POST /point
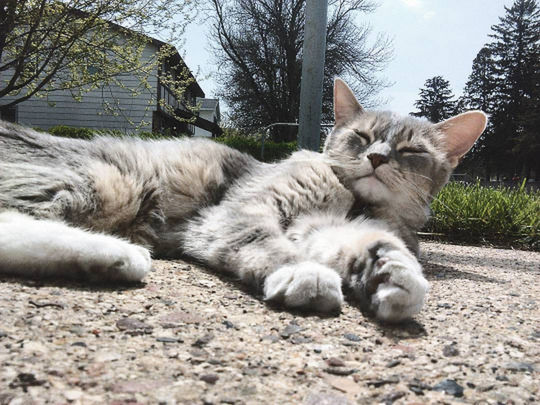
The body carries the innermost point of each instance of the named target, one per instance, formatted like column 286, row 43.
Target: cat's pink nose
column 377, row 159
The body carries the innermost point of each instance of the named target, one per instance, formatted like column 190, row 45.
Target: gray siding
column 59, row 108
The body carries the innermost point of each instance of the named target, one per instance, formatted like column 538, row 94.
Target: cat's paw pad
column 396, row 287
column 306, row 285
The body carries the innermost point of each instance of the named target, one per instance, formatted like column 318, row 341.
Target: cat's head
column 394, row 161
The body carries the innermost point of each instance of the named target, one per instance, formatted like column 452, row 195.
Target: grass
column 477, row 214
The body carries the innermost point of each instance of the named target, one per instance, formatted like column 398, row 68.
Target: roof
column 194, row 86
column 208, row 103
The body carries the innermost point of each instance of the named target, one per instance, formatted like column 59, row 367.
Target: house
column 113, row 106
column 208, row 110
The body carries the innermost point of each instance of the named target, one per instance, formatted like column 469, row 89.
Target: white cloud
column 412, row 3
column 429, row 15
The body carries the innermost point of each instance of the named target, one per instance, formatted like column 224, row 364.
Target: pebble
column 166, row 339
column 133, row 326
column 393, row 396
column 450, row 387
column 290, row 330
column 520, row 366
column 383, row 381
column 228, row 324
column 209, row 378
column 335, row 362
column 81, row 344
column 204, row 340
column 25, row 380
column 393, row 363
column 339, row 370
column 73, row 395
column 450, row 350
column 352, row 337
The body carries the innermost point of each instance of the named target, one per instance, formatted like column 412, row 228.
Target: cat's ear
column 461, row 132
column 345, row 104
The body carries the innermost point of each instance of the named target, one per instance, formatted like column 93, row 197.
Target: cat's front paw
column 118, row 260
column 395, row 287
column 306, row 285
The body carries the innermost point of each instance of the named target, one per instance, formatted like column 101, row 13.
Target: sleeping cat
column 300, row 229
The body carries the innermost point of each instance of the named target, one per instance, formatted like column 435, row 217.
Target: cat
column 300, row 229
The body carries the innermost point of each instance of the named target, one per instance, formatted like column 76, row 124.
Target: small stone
column 450, row 350
column 352, row 337
column 384, row 381
column 519, row 366
column 271, row 338
column 228, row 324
column 290, row 329
column 296, row 340
column 209, row 378
column 81, row 344
column 393, row 363
column 2, row 334
column 133, row 326
column 339, row 370
column 450, row 387
column 25, row 380
column 204, row 340
column 166, row 339
column 393, row 396
column 335, row 362
column 73, row 395
column 418, row 387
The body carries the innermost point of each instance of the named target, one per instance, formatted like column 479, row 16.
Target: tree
column 436, row 102
column 516, row 50
column 259, row 51
column 78, row 45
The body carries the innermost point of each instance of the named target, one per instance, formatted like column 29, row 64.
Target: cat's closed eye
column 365, row 138
column 412, row 149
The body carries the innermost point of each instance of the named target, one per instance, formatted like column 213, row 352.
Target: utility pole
column 309, row 133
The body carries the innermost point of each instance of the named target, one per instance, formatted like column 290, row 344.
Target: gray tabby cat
column 301, row 229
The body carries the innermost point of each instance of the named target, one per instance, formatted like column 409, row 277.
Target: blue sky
column 430, row 37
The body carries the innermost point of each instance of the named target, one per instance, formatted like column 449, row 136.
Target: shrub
column 87, row 133
column 474, row 213
column 71, row 132
column 272, row 151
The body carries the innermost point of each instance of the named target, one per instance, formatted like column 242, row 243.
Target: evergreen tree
column 516, row 52
column 480, row 93
column 436, row 102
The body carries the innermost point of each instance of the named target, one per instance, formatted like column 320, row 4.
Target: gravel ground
column 189, row 336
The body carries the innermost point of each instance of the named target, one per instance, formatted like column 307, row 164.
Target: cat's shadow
column 436, row 271
column 72, row 284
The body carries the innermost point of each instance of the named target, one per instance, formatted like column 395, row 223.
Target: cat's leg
column 256, row 250
column 34, row 247
column 373, row 262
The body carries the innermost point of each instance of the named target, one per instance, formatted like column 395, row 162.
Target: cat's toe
column 138, row 263
column 305, row 285
column 398, row 289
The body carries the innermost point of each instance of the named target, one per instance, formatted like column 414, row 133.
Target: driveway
column 189, row 336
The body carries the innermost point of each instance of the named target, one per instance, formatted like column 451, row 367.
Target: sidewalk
column 189, row 336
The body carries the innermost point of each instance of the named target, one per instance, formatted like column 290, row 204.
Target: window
column 8, row 113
